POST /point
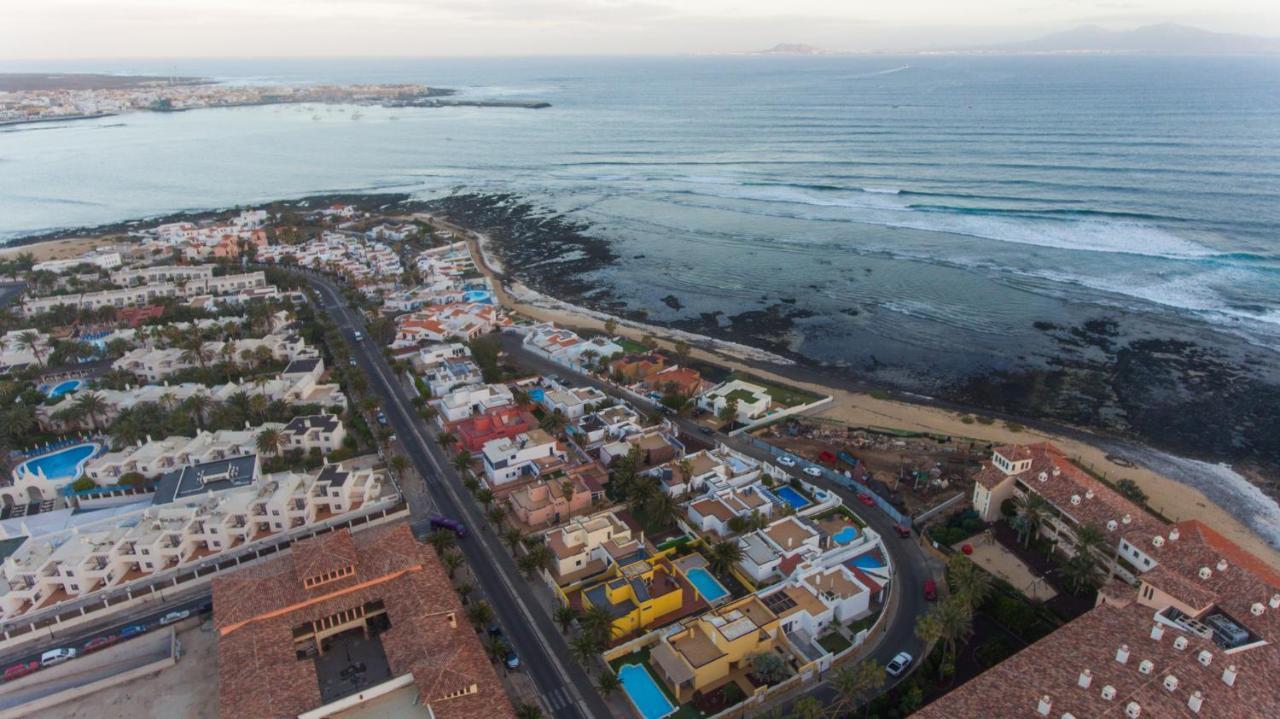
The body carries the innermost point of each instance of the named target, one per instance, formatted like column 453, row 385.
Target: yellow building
column 711, row 648
column 645, row 591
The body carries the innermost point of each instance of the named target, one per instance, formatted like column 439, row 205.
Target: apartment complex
column 286, row 629
column 131, row 296
column 154, row 364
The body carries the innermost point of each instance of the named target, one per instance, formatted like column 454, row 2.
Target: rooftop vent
column 1174, row 534
column 1045, row 705
column 1111, row 525
column 1222, row 565
column 1042, row 476
column 1068, row 715
column 1180, row 643
column 1204, row 657
column 1088, row 494
column 1086, row 678
column 1229, row 675
column 1075, row 499
column 1146, row 666
column 1126, row 519
column 1170, row 682
column 1158, row 540
column 1056, row 471
column 1275, row 601
column 1157, row 631
column 1257, row 609
column 1133, row 710
column 1122, row 655
column 1108, row 692
column 1205, row 572
column 1195, row 701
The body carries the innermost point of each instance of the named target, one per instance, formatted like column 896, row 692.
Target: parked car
column 352, row 361
column 133, row 630
column 931, row 590
column 511, row 660
column 101, row 642
column 57, row 656
column 866, row 499
column 898, row 665
column 813, row 471
column 705, row 429
column 495, row 630
column 172, row 617
column 786, row 461
column 903, row 530
column 358, row 335
column 440, row 521
column 17, row 671
column 382, row 418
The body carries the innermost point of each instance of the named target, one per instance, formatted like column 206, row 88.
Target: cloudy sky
column 257, row 28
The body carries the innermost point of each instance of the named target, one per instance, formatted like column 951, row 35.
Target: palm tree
column 584, row 648
column 480, row 613
column 807, row 707
column 198, row 405
column 1032, row 510
column 496, row 514
column 682, row 351
column 91, row 405
column 462, row 461
column 446, row 439
column 725, row 554
column 485, row 497
column 258, row 405
column 196, row 353
column 538, row 557
column 607, row 683
column 443, row 539
column 554, row 422
column 968, row 580
column 399, row 463
column 597, row 623
column 271, row 441
column 660, row 510
column 452, row 560
column 528, row 711
column 512, row 537
column 31, row 340
column 1081, row 570
column 852, row 683
column 948, row 622
column 68, row 417
column 565, row 616
column 495, row 646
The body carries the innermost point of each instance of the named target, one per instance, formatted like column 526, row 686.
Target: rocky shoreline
column 1168, row 392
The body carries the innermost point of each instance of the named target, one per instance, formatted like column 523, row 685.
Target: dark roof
column 208, row 477
column 9, row 546
column 333, row 475
column 301, row 366
column 327, row 422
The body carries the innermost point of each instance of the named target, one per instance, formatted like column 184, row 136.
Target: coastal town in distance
column 331, row 457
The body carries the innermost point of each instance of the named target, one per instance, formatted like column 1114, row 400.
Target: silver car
column 898, row 665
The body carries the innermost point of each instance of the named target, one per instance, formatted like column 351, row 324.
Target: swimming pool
column 480, row 296
column 867, row 561
column 792, row 497
column 61, row 388
column 64, row 464
column 537, row 394
column 644, row 691
column 708, row 586
column 846, row 535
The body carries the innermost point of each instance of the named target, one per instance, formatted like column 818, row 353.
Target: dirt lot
column 188, row 689
column 923, row 470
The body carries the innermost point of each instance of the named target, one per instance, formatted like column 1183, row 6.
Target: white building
column 508, row 458
column 752, row 400
column 471, row 400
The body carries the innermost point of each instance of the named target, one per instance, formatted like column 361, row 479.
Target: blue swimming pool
column 708, row 586
column 846, row 535
column 536, row 394
column 792, row 497
column 64, row 387
column 644, row 692
column 64, row 464
column 480, row 296
column 867, row 561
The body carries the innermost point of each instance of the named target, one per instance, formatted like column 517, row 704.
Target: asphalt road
column 911, row 568
column 567, row 691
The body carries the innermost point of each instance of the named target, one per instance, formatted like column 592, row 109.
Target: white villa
column 753, row 400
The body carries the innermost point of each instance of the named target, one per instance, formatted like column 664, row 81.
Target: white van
column 56, row 656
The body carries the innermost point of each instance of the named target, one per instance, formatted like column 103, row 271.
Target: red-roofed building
column 497, row 423
column 343, row 621
column 135, row 316
column 684, row 381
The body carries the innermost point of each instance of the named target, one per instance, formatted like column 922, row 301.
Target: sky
column 39, row 29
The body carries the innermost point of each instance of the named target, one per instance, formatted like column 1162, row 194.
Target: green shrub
column 83, row 483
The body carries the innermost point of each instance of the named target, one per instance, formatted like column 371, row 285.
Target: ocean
column 1095, row 239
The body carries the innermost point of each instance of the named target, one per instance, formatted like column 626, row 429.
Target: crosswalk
column 557, row 700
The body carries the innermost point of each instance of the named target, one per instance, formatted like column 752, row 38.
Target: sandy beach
column 58, row 249
column 1175, row 500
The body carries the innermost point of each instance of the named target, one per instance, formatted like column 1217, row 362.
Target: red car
column 17, row 671
column 100, row 643
column 866, row 499
column 903, row 530
column 930, row 590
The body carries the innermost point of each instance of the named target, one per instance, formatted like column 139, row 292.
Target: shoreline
column 1168, row 480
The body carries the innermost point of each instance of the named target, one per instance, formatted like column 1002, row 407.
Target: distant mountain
column 787, row 48
column 1167, row 38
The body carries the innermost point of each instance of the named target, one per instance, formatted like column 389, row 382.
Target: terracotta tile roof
column 257, row 608
column 712, row 508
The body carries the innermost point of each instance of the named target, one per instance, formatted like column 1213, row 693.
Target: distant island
column 1162, row 39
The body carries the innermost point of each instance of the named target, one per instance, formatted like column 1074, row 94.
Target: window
column 330, row 576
